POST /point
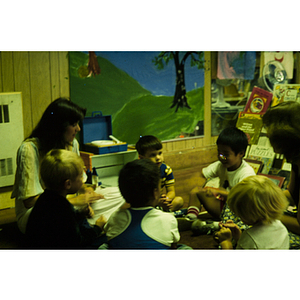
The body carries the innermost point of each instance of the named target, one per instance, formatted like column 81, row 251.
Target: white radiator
column 11, row 135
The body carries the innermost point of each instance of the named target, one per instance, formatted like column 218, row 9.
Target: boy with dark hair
column 150, row 147
column 141, row 226
column 53, row 222
column 230, row 169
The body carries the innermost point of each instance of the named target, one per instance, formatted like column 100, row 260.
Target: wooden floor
column 12, row 238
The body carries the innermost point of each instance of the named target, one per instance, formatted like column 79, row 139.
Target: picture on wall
column 145, row 92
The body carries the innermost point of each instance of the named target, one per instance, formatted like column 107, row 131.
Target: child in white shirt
column 259, row 203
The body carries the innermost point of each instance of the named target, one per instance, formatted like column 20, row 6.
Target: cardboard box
column 87, row 159
column 98, row 128
column 108, row 165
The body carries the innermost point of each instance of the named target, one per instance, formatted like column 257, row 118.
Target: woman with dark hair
column 56, row 130
column 282, row 123
column 60, row 117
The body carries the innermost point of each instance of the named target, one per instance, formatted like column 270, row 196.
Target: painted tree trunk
column 179, row 99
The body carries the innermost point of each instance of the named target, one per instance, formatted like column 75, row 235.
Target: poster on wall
column 146, row 92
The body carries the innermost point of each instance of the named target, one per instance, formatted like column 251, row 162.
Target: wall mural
column 157, row 93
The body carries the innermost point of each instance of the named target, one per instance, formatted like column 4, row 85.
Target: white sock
column 193, row 212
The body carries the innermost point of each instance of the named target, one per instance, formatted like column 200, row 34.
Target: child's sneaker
column 180, row 213
column 203, row 227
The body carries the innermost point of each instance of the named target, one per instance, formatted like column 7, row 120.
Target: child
column 53, row 222
column 230, row 169
column 141, row 226
column 259, row 203
column 150, row 147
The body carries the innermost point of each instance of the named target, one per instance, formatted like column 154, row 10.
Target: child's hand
column 101, row 221
column 89, row 196
column 90, row 212
column 224, row 234
column 165, row 202
column 235, row 230
column 224, row 237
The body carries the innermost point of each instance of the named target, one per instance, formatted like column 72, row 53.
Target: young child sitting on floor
column 230, row 169
column 150, row 147
column 53, row 222
column 259, row 203
column 142, row 226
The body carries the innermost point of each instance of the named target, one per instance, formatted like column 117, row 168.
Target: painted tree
column 93, row 65
column 92, row 68
column 163, row 59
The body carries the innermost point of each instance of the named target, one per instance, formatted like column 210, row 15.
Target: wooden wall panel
column 55, row 76
column 7, row 72
column 199, row 143
column 40, row 83
column 22, row 84
column 41, row 77
column 64, row 74
column 59, row 70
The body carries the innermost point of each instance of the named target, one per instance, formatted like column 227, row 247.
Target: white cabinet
column 109, row 165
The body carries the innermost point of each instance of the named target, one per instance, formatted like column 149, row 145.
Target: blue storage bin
column 99, row 127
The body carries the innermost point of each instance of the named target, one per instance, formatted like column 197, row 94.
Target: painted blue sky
column 138, row 64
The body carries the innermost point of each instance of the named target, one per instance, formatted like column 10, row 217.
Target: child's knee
column 177, row 202
column 201, row 195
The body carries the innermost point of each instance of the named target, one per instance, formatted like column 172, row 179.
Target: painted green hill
column 152, row 115
column 134, row 110
column 107, row 92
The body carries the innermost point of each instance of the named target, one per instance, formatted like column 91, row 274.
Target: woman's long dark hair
column 52, row 126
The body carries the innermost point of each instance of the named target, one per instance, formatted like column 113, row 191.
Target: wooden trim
column 64, row 73
column 207, row 99
column 297, row 66
column 54, row 75
column 1, row 73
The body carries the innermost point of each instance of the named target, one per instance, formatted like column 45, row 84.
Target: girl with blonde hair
column 259, row 203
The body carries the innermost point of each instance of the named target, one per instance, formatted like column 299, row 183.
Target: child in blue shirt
column 141, row 226
column 150, row 147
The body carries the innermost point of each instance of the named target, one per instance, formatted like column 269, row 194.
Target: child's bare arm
column 29, row 202
column 291, row 223
column 170, row 192
column 220, row 194
column 85, row 195
column 290, row 189
column 101, row 221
